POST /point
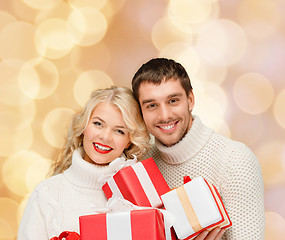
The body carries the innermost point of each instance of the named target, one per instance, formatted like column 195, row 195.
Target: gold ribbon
column 189, row 211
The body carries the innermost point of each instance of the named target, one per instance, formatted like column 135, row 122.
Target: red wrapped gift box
column 142, row 184
column 144, row 224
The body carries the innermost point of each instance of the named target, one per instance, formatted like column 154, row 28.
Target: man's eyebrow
column 147, row 101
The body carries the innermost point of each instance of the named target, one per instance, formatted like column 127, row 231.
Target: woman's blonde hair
column 122, row 98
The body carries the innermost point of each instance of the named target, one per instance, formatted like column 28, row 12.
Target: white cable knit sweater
column 56, row 203
column 227, row 164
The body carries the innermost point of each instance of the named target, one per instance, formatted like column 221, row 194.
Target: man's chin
column 167, row 142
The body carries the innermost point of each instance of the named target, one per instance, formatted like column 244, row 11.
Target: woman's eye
column 97, row 123
column 120, row 132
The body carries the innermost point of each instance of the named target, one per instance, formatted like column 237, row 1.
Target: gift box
column 142, row 184
column 128, row 225
column 197, row 206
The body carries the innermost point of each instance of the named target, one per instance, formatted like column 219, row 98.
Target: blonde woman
column 108, row 127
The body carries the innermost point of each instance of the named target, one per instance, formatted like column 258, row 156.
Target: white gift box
column 197, row 206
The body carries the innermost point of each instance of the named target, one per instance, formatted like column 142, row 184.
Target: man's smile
column 170, row 127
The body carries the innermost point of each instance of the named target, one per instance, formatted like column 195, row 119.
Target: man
column 184, row 146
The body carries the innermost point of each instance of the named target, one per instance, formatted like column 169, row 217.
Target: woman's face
column 105, row 136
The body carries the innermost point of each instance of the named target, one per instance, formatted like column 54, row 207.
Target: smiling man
column 185, row 146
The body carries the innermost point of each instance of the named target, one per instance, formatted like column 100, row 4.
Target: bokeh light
column 165, row 27
column 253, row 93
column 89, row 81
column 15, row 170
column 190, row 11
column 52, row 39
column 222, row 42
column 275, row 226
column 270, row 155
column 81, row 26
column 40, row 75
column 41, row 4
column 12, row 48
column 55, row 126
column 8, row 218
column 98, row 4
column 279, row 109
column 259, row 20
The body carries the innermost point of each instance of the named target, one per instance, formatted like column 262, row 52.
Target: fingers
column 215, row 234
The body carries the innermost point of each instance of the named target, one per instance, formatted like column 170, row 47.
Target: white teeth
column 168, row 127
column 102, row 148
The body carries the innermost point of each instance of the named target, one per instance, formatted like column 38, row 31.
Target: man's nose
column 164, row 113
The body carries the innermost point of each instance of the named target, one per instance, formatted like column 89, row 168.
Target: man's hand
column 215, row 234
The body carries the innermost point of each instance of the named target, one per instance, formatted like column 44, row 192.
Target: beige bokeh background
column 54, row 52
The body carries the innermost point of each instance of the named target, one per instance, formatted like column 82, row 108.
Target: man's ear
column 191, row 100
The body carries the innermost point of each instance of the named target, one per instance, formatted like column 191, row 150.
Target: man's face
column 166, row 110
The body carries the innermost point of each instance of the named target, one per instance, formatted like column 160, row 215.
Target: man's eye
column 151, row 105
column 173, row 100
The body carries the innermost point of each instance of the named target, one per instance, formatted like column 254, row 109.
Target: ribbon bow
column 67, row 235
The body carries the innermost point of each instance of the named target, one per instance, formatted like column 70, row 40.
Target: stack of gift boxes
column 194, row 207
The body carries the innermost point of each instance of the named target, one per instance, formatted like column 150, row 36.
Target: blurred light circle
column 6, row 19
column 98, row 4
column 274, row 199
column 259, row 20
column 13, row 141
column 22, row 207
column 86, row 26
column 61, row 10
column 164, row 33
column 15, row 118
column 221, row 42
column 279, row 109
column 41, row 4
column 28, row 81
column 190, row 11
column 90, row 57
column 52, row 39
column 113, row 7
column 185, row 55
column 275, row 226
column 37, row 172
column 15, row 169
column 55, row 126
column 10, row 91
column 253, row 93
column 248, row 129
column 8, row 218
column 88, row 82
column 211, row 73
column 12, row 48
column 270, row 156
column 40, row 75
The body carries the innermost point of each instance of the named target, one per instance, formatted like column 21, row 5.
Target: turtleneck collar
column 189, row 146
column 85, row 174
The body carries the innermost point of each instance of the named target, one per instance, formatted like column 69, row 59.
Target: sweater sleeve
column 243, row 195
column 32, row 225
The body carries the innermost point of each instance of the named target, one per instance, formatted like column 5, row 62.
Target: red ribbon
column 68, row 236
